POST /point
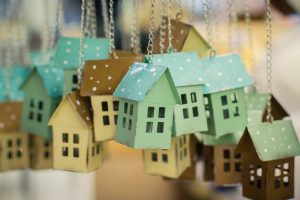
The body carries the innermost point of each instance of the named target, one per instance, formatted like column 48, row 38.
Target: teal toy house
column 147, row 97
column 42, row 93
column 224, row 96
column 66, row 56
column 188, row 76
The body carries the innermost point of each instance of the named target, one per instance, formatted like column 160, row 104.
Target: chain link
column 105, row 18
column 82, row 25
column 162, row 26
column 269, row 59
column 135, row 33
column 170, row 36
column 151, row 32
column 111, row 26
column 206, row 7
column 93, row 19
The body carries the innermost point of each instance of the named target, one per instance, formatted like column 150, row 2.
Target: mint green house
column 42, row 93
column 147, row 98
column 188, row 76
column 66, row 56
column 224, row 96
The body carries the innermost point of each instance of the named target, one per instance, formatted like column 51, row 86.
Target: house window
column 225, row 113
column 185, row 152
column 31, row 103
column 154, row 157
column 104, row 106
column 185, row 113
column 149, row 127
column 164, row 158
column 76, row 138
column 184, row 139
column 19, row 142
column 255, row 176
column 46, row 155
column 131, row 109
column 19, row 153
column 195, row 111
column 116, row 119
column 124, row 122
column 39, row 117
column 234, row 98
column 236, row 112
column 281, row 173
column 226, row 153
column 183, row 99
column 160, row 127
column 41, row 105
column 161, row 112
column 65, row 137
column 150, row 113
column 224, row 100
column 116, row 105
column 105, row 120
column 76, row 152
column 226, row 167
column 65, row 151
column 193, row 97
column 238, row 167
column 10, row 155
column 31, row 115
column 129, row 124
column 9, row 143
column 74, row 79
column 125, row 107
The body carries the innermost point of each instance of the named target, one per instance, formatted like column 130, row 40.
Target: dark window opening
column 226, row 154
column 116, row 119
column 193, row 97
column 76, row 138
column 185, row 152
column 161, row 112
column 31, row 115
column 165, row 158
column 76, row 152
column 258, row 183
column 226, row 114
column 195, row 111
column 124, row 122
column 237, row 155
column 19, row 153
column 41, row 105
column 226, row 167
column 129, row 124
column 150, row 112
column 74, row 89
column 234, row 98
column 116, row 105
column 277, row 183
column 154, row 157
column 65, row 151
column 224, row 100
column 65, row 138
column 10, row 155
column 184, row 139
column 98, row 149
column 183, row 99
column 160, row 127
column 19, row 142
column 238, row 167
column 9, row 143
column 236, row 112
column 131, row 109
column 125, row 107
column 93, row 151
column 46, row 143
column 149, row 127
column 39, row 117
column 46, row 155
column 185, row 113
column 104, row 105
column 180, row 142
column 105, row 120
column 75, row 79
column 31, row 103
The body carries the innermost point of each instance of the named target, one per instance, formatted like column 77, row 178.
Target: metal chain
column 269, row 117
column 82, row 24
column 56, row 24
column 93, row 18
column 105, row 18
column 206, row 6
column 87, row 19
column 111, row 26
column 179, row 14
column 232, row 19
column 162, row 26
column 134, row 34
column 170, row 36
column 151, row 32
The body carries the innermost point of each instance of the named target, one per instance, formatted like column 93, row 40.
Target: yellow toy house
column 73, row 136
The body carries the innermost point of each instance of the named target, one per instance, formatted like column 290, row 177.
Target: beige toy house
column 73, row 136
column 170, row 163
column 13, row 143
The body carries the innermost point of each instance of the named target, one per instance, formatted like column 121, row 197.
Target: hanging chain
column 151, row 32
column 232, row 21
column 111, row 26
column 87, row 19
column 179, row 14
column 170, row 37
column 162, row 26
column 269, row 59
column 134, row 34
column 206, row 7
column 105, row 18
column 93, row 18
column 56, row 25
column 82, row 24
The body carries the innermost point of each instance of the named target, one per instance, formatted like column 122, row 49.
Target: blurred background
column 121, row 176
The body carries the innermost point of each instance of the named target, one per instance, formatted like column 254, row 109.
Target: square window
column 125, row 107
column 195, row 111
column 41, row 105
column 74, row 89
column 129, row 124
column 154, row 157
column 226, row 167
column 236, row 112
column 164, row 158
column 161, row 112
column 116, row 119
column 160, row 127
column 116, row 105
column 150, row 113
column 225, row 113
column 258, row 171
column 183, row 99
column 185, row 113
column 65, row 151
column 286, row 166
column 9, row 143
column 104, row 105
column 76, row 138
column 258, row 183
column 193, row 97
column 105, row 120
column 277, row 183
column 76, row 152
column 234, row 98
column 75, row 79
column 238, row 167
column 124, row 122
column 98, row 149
column 19, row 153
column 149, row 127
column 31, row 115
column 10, row 155
column 65, row 138
column 224, row 100
column 46, row 154
column 131, row 109
column 226, row 154
column 277, row 172
column 46, row 143
column 286, row 181
column 19, row 142
column 39, row 117
column 237, row 155
column 31, row 103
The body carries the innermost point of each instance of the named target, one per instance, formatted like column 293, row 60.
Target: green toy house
column 42, row 93
column 188, row 76
column 147, row 97
column 67, row 53
column 224, row 96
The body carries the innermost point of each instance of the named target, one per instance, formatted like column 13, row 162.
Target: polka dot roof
column 139, row 80
column 275, row 140
column 67, row 51
column 17, row 75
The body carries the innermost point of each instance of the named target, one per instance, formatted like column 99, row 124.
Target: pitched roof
column 224, row 73
column 272, row 141
column 256, row 101
column 52, row 78
column 101, row 77
column 184, row 67
column 232, row 138
column 17, row 75
column 10, row 116
column 67, row 51
column 139, row 80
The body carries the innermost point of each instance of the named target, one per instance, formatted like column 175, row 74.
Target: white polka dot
column 98, row 54
column 230, row 61
column 97, row 82
column 249, row 120
column 180, row 68
column 66, row 62
column 78, row 102
column 91, row 78
column 140, row 93
column 262, row 99
column 1, row 125
column 188, row 60
column 94, row 88
column 282, row 129
column 68, row 50
column 94, row 66
column 85, row 46
column 265, row 142
column 207, row 84
column 182, row 32
column 266, row 150
column 87, row 118
column 46, row 71
column 273, row 139
column 289, row 147
column 106, row 65
column 109, row 78
column 13, row 117
column 139, row 80
column 123, row 90
column 154, row 74
column 159, row 60
column 220, row 74
column 199, row 79
column 97, row 48
column 69, row 42
column 240, row 79
column 109, row 88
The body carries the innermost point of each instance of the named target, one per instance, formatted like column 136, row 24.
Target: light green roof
column 256, row 101
column 233, row 138
column 275, row 140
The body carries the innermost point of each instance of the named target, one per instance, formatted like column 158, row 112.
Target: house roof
column 256, row 101
column 101, row 77
column 67, row 51
column 232, row 138
column 139, row 80
column 10, row 116
column 184, row 67
column 17, row 75
column 223, row 73
column 52, row 78
column 272, row 141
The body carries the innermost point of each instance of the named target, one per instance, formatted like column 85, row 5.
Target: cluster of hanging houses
column 157, row 105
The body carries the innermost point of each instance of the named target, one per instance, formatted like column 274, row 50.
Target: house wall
column 104, row 132
column 96, row 153
column 70, row 81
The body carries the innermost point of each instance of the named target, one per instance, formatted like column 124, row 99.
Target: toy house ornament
column 73, row 136
column 100, row 79
column 188, row 76
column 147, row 97
column 170, row 162
column 185, row 38
column 268, row 151
column 224, row 96
column 67, row 53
